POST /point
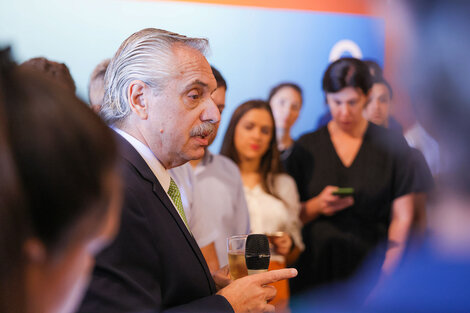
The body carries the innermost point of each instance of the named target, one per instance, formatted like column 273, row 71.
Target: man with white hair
column 158, row 99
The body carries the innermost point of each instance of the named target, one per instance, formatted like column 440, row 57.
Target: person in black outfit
column 339, row 233
column 377, row 111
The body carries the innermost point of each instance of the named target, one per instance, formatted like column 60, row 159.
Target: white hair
column 144, row 56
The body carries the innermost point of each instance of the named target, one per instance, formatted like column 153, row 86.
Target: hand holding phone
column 329, row 201
column 343, row 192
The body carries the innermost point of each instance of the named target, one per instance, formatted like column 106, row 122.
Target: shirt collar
column 155, row 165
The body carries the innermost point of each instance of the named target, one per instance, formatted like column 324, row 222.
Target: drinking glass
column 236, row 256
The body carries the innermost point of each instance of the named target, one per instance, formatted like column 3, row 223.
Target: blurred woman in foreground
column 59, row 192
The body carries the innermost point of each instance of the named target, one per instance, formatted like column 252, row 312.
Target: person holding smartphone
column 343, row 226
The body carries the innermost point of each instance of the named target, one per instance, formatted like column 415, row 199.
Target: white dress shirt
column 418, row 138
column 224, row 201
column 153, row 163
column 194, row 201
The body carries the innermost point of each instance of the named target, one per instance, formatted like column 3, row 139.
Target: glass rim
column 237, row 237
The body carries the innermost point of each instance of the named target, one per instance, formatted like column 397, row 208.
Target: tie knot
column 173, row 189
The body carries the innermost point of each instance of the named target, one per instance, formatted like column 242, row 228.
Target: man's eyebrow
column 198, row 82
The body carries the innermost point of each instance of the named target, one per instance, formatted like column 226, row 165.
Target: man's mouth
column 204, row 134
column 203, row 139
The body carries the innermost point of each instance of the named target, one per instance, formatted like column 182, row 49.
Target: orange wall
column 337, row 6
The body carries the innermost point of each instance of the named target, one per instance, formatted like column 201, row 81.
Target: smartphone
column 344, row 192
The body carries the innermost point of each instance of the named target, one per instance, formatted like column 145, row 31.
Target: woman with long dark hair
column 59, row 192
column 341, row 230
column 271, row 195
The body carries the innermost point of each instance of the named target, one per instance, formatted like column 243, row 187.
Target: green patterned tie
column 175, row 195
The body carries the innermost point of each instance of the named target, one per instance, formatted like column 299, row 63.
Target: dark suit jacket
column 154, row 264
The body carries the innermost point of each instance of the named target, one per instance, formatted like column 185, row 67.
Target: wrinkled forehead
column 189, row 64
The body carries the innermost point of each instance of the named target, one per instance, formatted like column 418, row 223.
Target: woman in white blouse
column 272, row 197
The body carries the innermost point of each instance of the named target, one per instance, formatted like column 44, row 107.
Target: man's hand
column 222, row 277
column 251, row 294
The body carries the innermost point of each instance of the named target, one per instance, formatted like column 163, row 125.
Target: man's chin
column 197, row 153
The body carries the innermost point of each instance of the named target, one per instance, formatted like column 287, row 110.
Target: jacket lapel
column 129, row 153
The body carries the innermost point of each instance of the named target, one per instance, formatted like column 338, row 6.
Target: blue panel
column 253, row 48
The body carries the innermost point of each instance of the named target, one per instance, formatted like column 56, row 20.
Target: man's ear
column 138, row 98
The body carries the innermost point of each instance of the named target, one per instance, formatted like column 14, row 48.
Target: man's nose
column 211, row 112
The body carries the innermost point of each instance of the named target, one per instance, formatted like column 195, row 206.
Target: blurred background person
column 96, row 85
column 272, row 197
column 226, row 210
column 55, row 70
column 201, row 221
column 375, row 69
column 377, row 111
column 59, row 192
column 417, row 137
column 285, row 100
column 340, row 232
column 378, row 108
